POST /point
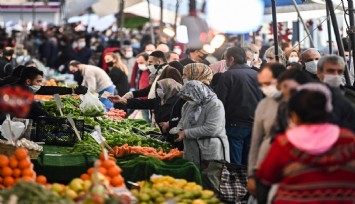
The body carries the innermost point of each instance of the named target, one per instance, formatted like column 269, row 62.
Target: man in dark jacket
column 195, row 56
column 239, row 91
column 6, row 67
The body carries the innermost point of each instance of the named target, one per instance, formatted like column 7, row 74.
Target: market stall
column 87, row 155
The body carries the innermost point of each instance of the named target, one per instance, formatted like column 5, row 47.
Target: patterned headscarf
column 199, row 94
column 199, row 72
column 170, row 88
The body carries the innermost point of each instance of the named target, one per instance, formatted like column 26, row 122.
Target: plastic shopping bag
column 12, row 130
column 91, row 105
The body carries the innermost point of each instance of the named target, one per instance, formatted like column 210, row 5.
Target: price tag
column 97, row 137
column 59, row 103
column 71, row 121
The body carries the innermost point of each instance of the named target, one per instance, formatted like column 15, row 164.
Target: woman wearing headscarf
column 313, row 160
column 199, row 72
column 202, row 116
column 163, row 105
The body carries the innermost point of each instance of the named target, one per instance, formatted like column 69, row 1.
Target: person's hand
column 251, row 186
column 128, row 95
column 164, row 126
column 81, row 90
column 181, row 136
column 256, row 62
column 117, row 99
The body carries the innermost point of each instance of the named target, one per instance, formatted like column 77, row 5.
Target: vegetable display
column 115, row 114
column 146, row 151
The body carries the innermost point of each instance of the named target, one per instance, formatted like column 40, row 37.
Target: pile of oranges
column 109, row 169
column 18, row 167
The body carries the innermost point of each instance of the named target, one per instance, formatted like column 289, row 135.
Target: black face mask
column 109, row 64
column 8, row 53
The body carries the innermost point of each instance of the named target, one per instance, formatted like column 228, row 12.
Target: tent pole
column 161, row 15
column 151, row 24
column 304, row 25
column 351, row 30
column 274, row 24
column 329, row 26
column 338, row 39
column 122, row 2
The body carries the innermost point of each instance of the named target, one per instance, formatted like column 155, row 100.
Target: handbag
column 227, row 180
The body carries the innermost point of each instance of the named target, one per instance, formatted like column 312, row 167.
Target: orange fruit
column 27, row 178
column 102, row 170
column 21, row 154
column 13, row 163
column 6, row 171
column 85, row 177
column 16, row 173
column 27, row 172
column 113, row 171
column 24, row 164
column 117, row 181
column 4, row 160
column 1, row 180
column 109, row 179
column 41, row 179
column 9, row 181
column 2, row 186
column 102, row 156
column 91, row 170
column 108, row 164
column 112, row 159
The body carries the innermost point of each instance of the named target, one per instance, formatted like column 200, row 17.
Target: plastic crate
column 57, row 131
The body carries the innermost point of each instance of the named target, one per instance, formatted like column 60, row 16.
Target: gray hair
column 246, row 49
column 332, row 59
column 271, row 50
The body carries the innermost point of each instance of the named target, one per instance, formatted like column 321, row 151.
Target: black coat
column 6, row 68
column 120, row 80
column 239, row 91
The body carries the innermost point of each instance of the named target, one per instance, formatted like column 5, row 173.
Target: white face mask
column 311, row 66
column 148, row 52
column 74, row 45
column 249, row 63
column 293, row 59
column 129, row 54
column 177, row 51
column 34, row 88
column 256, row 57
column 81, row 44
column 333, row 80
column 271, row 91
column 160, row 93
column 152, row 69
column 142, row 67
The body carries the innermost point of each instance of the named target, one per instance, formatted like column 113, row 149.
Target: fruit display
column 109, row 169
column 161, row 189
column 17, row 167
column 30, row 193
column 25, row 144
column 146, row 151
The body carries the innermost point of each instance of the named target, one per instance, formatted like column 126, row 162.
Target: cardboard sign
column 71, row 121
column 59, row 103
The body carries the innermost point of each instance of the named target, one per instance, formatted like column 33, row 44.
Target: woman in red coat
column 314, row 161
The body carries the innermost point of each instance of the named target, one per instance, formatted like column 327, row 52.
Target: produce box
column 57, row 131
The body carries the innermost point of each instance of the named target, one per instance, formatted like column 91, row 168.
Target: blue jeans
column 108, row 104
column 239, row 144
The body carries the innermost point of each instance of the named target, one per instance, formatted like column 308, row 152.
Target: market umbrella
column 77, row 7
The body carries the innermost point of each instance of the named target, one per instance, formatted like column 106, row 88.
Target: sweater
column 95, row 78
column 311, row 178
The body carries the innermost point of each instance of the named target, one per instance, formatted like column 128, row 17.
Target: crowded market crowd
column 291, row 122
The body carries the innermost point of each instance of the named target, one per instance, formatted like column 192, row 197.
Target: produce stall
column 90, row 156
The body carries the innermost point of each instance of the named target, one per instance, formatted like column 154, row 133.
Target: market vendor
column 14, row 78
column 96, row 79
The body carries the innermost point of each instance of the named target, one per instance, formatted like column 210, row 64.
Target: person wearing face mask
column 250, row 58
column 195, row 56
column 265, row 115
column 128, row 59
column 117, row 71
column 309, row 60
column 6, row 67
column 330, row 70
column 96, row 79
column 177, row 50
column 167, row 95
column 202, row 116
column 239, row 91
column 270, row 55
column 292, row 56
column 82, row 54
column 149, row 48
